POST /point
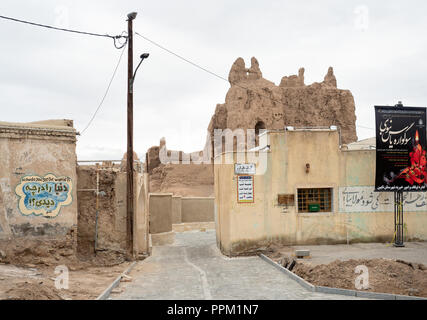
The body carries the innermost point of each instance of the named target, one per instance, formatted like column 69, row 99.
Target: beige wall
column 36, row 150
column 141, row 222
column 176, row 209
column 183, row 209
column 245, row 227
column 160, row 208
column 197, row 209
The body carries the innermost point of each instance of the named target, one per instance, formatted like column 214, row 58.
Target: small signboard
column 286, row 199
column 245, row 189
column 400, row 149
column 245, row 168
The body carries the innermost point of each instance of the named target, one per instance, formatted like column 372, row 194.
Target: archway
column 259, row 129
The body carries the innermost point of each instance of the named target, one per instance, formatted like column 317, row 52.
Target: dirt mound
column 385, row 276
column 22, row 251
column 51, row 252
column 33, row 291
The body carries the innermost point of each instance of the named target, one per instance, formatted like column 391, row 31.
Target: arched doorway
column 259, row 128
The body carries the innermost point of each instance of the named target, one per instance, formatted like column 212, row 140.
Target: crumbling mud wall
column 111, row 234
column 111, row 216
column 174, row 172
column 183, row 180
column 253, row 102
column 38, row 207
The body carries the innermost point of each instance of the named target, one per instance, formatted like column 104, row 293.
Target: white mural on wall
column 364, row 199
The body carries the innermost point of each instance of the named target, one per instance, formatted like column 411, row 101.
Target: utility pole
column 129, row 164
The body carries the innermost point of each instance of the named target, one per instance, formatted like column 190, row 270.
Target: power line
column 67, row 30
column 181, row 57
column 106, row 91
column 211, row 72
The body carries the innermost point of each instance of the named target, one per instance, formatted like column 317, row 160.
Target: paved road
column 193, row 268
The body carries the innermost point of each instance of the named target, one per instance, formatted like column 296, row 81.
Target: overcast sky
column 378, row 51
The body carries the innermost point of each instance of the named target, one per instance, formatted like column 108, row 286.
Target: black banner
column 400, row 149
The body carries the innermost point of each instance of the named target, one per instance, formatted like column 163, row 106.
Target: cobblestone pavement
column 193, row 268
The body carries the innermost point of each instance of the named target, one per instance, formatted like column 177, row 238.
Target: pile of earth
column 33, row 291
column 385, row 276
column 51, row 252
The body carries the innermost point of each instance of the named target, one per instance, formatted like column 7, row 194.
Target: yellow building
column 307, row 189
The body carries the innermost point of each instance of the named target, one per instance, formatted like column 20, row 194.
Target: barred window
column 315, row 200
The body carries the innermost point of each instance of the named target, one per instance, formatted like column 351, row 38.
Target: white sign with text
column 244, row 168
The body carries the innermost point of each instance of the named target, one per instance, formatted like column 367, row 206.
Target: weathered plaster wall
column 357, row 215
column 112, row 227
column 37, row 149
column 197, row 209
column 160, row 207
column 141, row 221
column 176, row 209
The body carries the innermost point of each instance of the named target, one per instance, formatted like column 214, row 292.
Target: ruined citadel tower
column 253, row 102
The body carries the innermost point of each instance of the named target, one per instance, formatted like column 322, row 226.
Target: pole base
column 398, row 245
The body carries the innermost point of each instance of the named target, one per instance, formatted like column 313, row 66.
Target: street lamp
column 132, row 15
column 143, row 56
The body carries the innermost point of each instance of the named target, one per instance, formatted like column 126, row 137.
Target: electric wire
column 122, row 45
column 213, row 73
column 106, row 91
column 115, row 38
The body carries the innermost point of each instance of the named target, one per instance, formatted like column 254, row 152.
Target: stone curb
column 345, row 292
column 290, row 274
column 116, row 282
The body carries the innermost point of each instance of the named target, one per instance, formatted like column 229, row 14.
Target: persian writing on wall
column 44, row 196
column 364, row 199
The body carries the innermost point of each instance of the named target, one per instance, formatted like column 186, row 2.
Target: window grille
column 315, row 200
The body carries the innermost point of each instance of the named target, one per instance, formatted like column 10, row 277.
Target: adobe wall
column 197, row 209
column 112, row 210
column 38, row 179
column 176, row 209
column 38, row 198
column 253, row 100
column 160, row 207
column 112, row 227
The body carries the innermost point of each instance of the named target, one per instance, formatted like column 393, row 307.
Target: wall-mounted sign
column 245, row 189
column 286, row 199
column 245, row 168
column 44, row 196
column 400, row 149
